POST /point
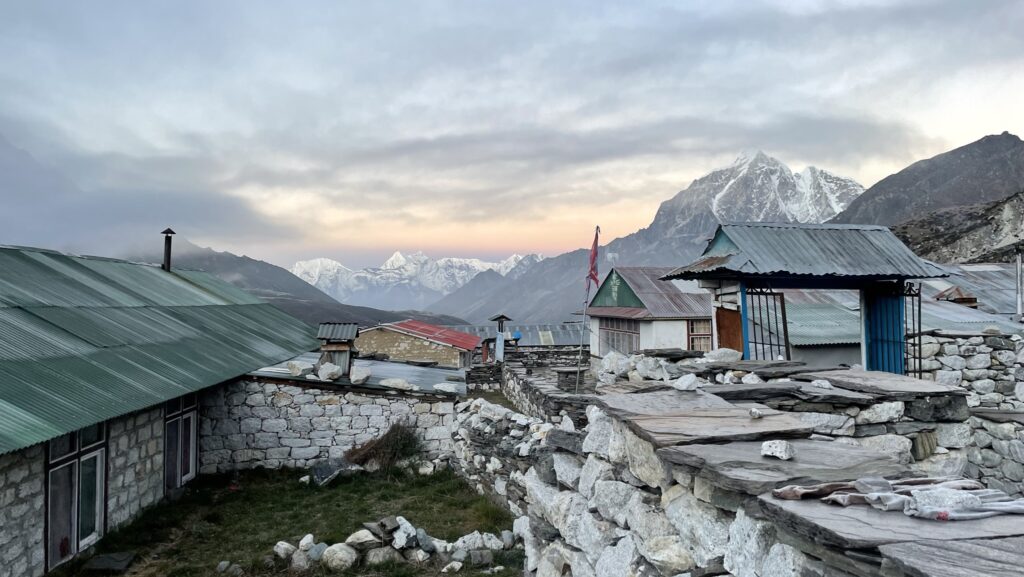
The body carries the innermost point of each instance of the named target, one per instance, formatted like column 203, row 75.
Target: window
column 621, row 335
column 180, row 441
column 699, row 332
column 75, row 496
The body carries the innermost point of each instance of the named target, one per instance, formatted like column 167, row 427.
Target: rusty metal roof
column 442, row 335
column 85, row 339
column 806, row 250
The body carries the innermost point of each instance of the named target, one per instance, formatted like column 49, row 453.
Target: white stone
column 778, row 449
column 688, row 382
column 299, row 368
column 492, row 542
column 895, row 445
column 952, row 378
column 396, row 383
column 416, row 555
column 889, row 412
column 558, row 560
column 723, row 355
column 667, row 553
column 751, row 379
column 828, row 423
column 755, row 413
column 404, row 535
column 620, row 560
column 363, row 539
column 306, row 543
column 453, row 567
column 953, row 435
column 425, row 468
column 446, row 387
column 599, row 431
column 611, row 499
column 785, row 561
column 822, row 384
column 300, row 561
column 749, row 543
column 644, row 463
column 567, row 469
column 359, row 375
column 594, row 469
column 703, row 527
column 531, row 546
column 284, row 549
column 339, row 557
column 979, row 361
column 329, row 372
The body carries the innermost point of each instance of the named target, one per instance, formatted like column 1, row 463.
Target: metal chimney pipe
column 1020, row 289
column 167, row 249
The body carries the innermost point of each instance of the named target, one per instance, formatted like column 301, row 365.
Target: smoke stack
column 167, row 249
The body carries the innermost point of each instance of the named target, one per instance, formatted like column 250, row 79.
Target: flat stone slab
column 999, row 415
column 971, row 558
column 662, row 402
column 863, row 527
column 110, row 562
column 886, row 386
column 631, row 387
column 672, row 355
column 715, row 425
column 786, row 391
column 752, row 366
column 740, row 466
column 784, row 372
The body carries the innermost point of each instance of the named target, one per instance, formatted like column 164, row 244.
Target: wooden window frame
column 692, row 334
column 74, row 458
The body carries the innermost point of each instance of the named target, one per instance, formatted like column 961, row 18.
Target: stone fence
column 249, row 424
column 535, row 392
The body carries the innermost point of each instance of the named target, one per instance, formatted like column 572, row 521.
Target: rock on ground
column 339, row 557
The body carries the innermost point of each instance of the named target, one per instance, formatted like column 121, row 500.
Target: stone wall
column 22, row 512
column 402, row 347
column 494, row 447
column 537, row 395
column 484, row 377
column 250, row 424
column 563, row 356
column 135, row 465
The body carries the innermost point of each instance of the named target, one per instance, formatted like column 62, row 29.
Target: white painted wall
column 595, row 338
column 664, row 335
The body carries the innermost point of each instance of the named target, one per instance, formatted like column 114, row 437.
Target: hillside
column 986, row 232
column 983, row 171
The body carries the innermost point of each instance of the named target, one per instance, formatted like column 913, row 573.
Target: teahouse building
column 634, row 309
column 101, row 363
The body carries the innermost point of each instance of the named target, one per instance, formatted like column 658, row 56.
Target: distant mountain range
column 754, row 187
column 988, row 232
column 283, row 289
column 404, row 281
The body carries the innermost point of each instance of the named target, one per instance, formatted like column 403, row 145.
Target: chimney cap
column 168, row 231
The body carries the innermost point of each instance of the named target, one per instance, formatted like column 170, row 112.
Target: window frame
column 187, row 410
column 101, row 510
column 74, row 459
column 692, row 334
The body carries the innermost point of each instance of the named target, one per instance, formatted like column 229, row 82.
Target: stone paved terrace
column 669, row 482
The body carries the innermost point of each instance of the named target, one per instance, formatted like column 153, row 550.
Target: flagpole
column 591, row 275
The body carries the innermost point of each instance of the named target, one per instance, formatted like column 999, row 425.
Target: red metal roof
column 457, row 339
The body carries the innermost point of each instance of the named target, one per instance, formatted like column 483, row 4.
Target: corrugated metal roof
column 993, row 284
column 337, row 331
column 446, row 336
column 425, row 378
column 634, row 313
column 83, row 340
column 666, row 299
column 809, row 250
column 532, row 335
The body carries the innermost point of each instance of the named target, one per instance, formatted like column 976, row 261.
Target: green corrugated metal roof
column 83, row 340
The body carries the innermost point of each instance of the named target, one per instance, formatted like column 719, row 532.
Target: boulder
column 688, row 382
column 723, row 355
column 359, row 375
column 594, row 470
column 405, row 535
column 383, row 555
column 284, row 549
column 299, row 368
column 306, row 543
column 339, row 557
column 329, row 372
column 300, row 561
column 567, row 469
column 362, row 540
column 316, row 552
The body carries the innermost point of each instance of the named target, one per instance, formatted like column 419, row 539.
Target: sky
column 349, row 130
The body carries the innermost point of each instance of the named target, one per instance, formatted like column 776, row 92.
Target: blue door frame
column 885, row 341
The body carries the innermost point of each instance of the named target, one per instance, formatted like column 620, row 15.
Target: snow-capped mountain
column 756, row 187
column 403, row 281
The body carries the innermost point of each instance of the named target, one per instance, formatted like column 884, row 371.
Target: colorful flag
column 592, row 274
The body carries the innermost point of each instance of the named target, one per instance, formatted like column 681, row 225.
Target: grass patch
column 239, row 518
column 496, row 397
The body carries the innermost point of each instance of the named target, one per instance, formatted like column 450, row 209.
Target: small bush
column 400, row 442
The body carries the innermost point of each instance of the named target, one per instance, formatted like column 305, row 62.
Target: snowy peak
column 403, row 281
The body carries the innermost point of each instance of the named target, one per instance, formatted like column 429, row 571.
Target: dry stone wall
column 22, row 479
column 402, row 347
column 536, row 394
column 249, row 424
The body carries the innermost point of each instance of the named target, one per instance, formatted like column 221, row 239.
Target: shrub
column 386, row 451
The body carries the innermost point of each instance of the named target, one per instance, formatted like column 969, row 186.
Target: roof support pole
column 744, row 321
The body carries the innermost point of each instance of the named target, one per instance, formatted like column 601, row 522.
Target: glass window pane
column 172, row 431
column 91, row 435
column 90, row 495
column 172, row 406
column 62, row 446
column 61, row 514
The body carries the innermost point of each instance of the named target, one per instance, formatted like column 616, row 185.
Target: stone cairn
column 395, row 540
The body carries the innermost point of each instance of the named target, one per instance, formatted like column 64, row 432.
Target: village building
column 634, row 309
column 102, row 367
column 418, row 342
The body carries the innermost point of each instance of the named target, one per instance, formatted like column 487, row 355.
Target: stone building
column 634, row 310
column 411, row 340
column 102, row 365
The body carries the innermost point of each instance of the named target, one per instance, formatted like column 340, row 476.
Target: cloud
column 363, row 126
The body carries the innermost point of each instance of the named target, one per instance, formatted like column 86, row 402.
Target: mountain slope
column 978, row 233
column 281, row 288
column 755, row 187
column 402, row 281
column 986, row 170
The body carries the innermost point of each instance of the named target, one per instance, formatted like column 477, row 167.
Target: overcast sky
column 350, row 130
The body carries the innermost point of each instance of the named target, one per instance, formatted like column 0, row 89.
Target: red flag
column 592, row 274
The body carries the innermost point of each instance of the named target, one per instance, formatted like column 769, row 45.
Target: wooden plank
column 740, row 466
column 971, row 558
column 862, row 527
column 730, row 328
column 887, row 386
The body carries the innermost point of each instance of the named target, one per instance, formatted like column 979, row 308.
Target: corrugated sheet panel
column 83, row 340
column 666, row 299
column 993, row 284
column 435, row 333
column 532, row 335
column 337, row 331
column 809, row 250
